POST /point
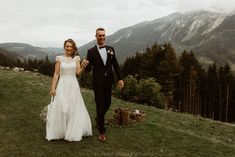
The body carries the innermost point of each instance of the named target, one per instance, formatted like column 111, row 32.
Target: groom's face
column 100, row 37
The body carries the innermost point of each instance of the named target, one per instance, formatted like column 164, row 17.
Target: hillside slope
column 163, row 133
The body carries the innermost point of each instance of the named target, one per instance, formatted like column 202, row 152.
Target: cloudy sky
column 47, row 23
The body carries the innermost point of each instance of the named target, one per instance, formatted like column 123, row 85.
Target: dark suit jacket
column 103, row 73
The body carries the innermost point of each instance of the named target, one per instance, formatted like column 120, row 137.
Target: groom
column 101, row 58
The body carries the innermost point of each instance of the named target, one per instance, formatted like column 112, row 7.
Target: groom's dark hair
column 100, row 29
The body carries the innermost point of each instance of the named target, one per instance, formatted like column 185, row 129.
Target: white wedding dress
column 67, row 116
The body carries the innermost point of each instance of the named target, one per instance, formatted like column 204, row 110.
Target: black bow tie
column 100, row 47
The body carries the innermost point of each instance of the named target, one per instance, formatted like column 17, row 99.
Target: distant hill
column 210, row 35
column 26, row 51
column 10, row 55
column 7, row 58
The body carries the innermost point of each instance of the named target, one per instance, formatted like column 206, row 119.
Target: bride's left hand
column 52, row 92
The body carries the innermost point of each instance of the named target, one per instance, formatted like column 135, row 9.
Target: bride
column 67, row 116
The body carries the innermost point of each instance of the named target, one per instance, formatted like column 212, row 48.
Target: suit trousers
column 103, row 101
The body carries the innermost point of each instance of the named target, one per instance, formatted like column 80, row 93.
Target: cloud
column 215, row 5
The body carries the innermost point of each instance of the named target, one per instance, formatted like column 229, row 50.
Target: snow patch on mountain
column 214, row 24
column 193, row 29
column 125, row 36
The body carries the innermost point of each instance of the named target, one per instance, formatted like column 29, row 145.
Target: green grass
column 162, row 133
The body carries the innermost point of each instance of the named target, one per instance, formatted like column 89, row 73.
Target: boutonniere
column 109, row 51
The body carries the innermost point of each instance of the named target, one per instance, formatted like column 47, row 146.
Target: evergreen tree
column 151, row 61
column 189, row 84
column 167, row 73
column 212, row 89
column 133, row 65
column 46, row 67
column 226, row 93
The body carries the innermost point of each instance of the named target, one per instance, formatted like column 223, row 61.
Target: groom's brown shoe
column 102, row 138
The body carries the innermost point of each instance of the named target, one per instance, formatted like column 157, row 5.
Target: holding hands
column 84, row 63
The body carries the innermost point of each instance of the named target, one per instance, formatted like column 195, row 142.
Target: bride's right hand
column 52, row 92
column 85, row 62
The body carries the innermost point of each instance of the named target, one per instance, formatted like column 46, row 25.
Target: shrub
column 46, row 68
column 130, row 89
column 149, row 92
column 142, row 91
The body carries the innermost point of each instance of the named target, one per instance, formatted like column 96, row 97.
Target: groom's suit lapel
column 109, row 57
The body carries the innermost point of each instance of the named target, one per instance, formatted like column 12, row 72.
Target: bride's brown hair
column 74, row 46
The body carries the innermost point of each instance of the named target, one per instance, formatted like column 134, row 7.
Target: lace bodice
column 67, row 65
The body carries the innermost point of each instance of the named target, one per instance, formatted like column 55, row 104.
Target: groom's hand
column 120, row 84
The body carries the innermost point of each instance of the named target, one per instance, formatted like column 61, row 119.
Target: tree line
column 43, row 66
column 185, row 84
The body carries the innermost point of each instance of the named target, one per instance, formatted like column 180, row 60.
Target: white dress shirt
column 103, row 54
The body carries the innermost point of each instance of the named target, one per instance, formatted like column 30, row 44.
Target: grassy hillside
column 163, row 133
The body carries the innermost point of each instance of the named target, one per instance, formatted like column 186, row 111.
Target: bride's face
column 69, row 49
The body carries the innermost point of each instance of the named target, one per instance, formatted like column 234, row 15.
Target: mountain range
column 210, row 35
